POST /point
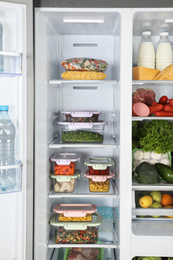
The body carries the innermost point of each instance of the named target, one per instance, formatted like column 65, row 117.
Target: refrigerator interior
column 13, row 94
column 156, row 21
column 62, row 34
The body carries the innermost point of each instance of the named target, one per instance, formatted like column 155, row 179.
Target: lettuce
column 149, row 258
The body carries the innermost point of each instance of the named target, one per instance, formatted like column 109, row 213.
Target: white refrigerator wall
column 13, row 94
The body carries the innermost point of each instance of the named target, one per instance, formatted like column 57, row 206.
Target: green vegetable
column 165, row 171
column 136, row 125
column 170, row 258
column 81, row 136
column 149, row 258
column 157, row 135
column 146, row 173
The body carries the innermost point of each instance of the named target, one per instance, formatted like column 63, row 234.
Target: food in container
column 64, row 183
column 81, row 64
column 81, row 116
column 99, row 183
column 64, row 163
column 99, row 166
column 82, row 132
column 75, row 212
column 76, row 232
column 75, row 253
column 83, row 75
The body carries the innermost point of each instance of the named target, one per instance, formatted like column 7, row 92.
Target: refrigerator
column 43, row 38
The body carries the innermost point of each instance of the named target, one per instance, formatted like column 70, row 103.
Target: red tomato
column 163, row 100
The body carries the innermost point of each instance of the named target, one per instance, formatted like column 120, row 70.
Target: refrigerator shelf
column 61, row 81
column 140, row 118
column 107, row 143
column 152, row 82
column 51, row 244
column 82, row 189
column 155, row 212
column 161, row 186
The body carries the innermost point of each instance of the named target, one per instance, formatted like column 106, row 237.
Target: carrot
column 163, row 100
column 154, row 103
column 155, row 108
column 163, row 113
column 168, row 108
column 171, row 102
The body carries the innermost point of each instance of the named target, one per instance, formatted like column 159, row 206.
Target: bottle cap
column 146, row 33
column 3, row 108
column 164, row 34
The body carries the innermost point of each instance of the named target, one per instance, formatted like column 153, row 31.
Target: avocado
column 146, row 173
column 165, row 171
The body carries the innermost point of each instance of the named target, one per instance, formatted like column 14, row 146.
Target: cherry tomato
column 163, row 100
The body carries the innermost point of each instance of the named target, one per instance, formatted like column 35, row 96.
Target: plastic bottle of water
column 7, row 135
column 146, row 52
column 1, row 49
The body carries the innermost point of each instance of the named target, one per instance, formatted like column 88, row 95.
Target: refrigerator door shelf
column 10, row 63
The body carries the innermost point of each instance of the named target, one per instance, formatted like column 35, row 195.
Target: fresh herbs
column 153, row 135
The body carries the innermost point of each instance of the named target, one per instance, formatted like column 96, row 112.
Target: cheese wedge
column 142, row 73
column 165, row 74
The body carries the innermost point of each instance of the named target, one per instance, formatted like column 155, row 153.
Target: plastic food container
column 81, row 116
column 64, row 183
column 99, row 183
column 82, row 132
column 75, row 212
column 76, row 232
column 68, row 251
column 99, row 166
column 64, row 163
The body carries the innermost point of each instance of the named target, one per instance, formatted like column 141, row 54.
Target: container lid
column 82, row 113
column 65, row 178
column 65, row 158
column 79, row 125
column 75, row 210
column 99, row 178
column 99, row 163
column 4, row 108
column 164, row 34
column 96, row 221
column 146, row 33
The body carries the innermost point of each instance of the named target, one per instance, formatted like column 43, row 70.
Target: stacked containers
column 82, row 127
column 76, row 223
column 64, row 172
column 99, row 173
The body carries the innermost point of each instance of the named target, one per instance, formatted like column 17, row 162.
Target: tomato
column 163, row 100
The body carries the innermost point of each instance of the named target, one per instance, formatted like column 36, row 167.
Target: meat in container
column 76, row 232
column 64, row 163
column 83, row 253
column 75, row 212
column 99, row 183
column 64, row 183
column 74, row 132
column 99, row 166
column 81, row 116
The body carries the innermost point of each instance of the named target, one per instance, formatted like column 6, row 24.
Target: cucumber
column 165, row 171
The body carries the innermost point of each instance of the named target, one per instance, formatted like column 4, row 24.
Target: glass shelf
column 62, row 81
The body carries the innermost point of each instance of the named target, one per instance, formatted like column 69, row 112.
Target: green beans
column 81, row 136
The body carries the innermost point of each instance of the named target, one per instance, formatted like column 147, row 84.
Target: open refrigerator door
column 16, row 93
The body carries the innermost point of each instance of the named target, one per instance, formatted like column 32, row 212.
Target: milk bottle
column 163, row 52
column 146, row 52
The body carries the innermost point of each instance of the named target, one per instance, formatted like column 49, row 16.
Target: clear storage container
column 81, row 116
column 76, row 232
column 75, row 212
column 64, row 183
column 99, row 166
column 12, row 63
column 82, row 132
column 64, row 163
column 99, row 183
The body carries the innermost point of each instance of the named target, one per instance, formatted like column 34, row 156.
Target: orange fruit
column 168, row 207
column 167, row 200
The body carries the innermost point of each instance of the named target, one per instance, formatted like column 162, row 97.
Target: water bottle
column 1, row 49
column 163, row 52
column 7, row 135
column 146, row 52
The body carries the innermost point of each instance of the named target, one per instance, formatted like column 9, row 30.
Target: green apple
column 156, row 195
column 155, row 205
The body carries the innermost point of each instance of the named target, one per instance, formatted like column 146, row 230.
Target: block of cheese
column 165, row 74
column 142, row 73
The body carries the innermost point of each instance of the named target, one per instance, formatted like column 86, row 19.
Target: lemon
column 145, row 201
